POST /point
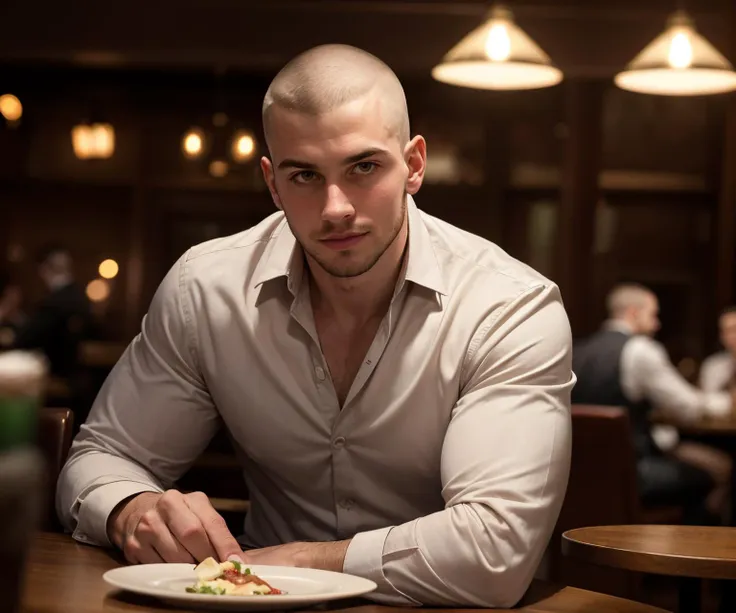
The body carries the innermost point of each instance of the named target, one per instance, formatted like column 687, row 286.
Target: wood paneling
column 578, row 201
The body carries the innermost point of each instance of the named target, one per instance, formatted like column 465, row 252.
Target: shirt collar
column 283, row 257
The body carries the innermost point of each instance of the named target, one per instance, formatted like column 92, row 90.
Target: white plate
column 304, row 586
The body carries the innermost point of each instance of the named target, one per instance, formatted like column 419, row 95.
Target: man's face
column 342, row 180
column 646, row 316
column 727, row 327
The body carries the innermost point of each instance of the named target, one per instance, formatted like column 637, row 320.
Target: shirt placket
column 347, row 509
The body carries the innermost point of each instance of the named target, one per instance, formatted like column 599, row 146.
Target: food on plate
column 229, row 579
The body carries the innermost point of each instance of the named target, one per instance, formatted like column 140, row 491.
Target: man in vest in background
column 622, row 365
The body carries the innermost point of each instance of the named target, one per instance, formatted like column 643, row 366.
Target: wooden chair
column 602, row 490
column 55, row 427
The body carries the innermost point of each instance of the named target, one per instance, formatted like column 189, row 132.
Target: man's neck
column 619, row 325
column 354, row 301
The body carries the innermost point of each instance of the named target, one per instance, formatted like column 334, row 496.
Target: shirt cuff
column 718, row 405
column 95, row 510
column 364, row 557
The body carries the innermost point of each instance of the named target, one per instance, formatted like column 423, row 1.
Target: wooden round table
column 692, row 552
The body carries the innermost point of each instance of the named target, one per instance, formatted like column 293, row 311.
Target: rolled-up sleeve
column 151, row 419
column 505, row 464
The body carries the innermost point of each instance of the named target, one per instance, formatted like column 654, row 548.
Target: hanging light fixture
column 679, row 62
column 93, row 140
column 497, row 55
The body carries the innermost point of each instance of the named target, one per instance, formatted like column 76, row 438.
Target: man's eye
column 365, row 168
column 305, row 176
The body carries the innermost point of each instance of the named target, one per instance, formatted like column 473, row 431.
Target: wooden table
column 65, row 577
column 693, row 552
column 718, row 432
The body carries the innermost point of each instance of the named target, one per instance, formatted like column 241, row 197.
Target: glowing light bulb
column 108, row 269
column 98, row 290
column 192, row 144
column 244, row 146
column 681, row 51
column 10, row 107
column 498, row 43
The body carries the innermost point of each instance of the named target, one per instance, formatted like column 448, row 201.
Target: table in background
column 690, row 552
column 718, row 432
column 65, row 577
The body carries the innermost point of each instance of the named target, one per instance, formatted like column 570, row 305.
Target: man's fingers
column 139, row 553
column 152, row 531
column 217, row 531
column 185, row 525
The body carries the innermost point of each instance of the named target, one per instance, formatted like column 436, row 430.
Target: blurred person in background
column 622, row 365
column 11, row 311
column 62, row 319
column 717, row 371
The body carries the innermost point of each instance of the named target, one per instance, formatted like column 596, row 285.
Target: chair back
column 601, row 491
column 55, row 429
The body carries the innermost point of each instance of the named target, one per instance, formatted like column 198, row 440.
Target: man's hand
column 324, row 556
column 171, row 527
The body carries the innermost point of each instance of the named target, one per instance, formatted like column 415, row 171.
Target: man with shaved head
column 622, row 365
column 397, row 390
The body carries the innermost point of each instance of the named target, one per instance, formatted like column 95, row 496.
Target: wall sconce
column 219, row 145
column 93, row 141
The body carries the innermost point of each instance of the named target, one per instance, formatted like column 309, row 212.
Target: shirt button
column 320, row 372
column 339, row 442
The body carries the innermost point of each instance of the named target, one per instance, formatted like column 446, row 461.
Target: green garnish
column 247, row 571
column 206, row 589
column 238, row 566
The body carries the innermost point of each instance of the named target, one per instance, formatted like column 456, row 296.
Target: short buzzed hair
column 626, row 295
column 329, row 76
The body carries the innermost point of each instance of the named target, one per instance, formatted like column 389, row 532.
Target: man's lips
column 342, row 241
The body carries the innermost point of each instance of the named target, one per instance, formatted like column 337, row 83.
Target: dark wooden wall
column 589, row 184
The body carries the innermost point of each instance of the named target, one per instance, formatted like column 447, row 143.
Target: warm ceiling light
column 193, row 143
column 497, row 55
column 10, row 107
column 219, row 168
column 93, row 141
column 244, row 147
column 679, row 62
column 109, row 269
column 98, row 290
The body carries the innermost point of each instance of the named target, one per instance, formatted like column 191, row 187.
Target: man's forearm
column 327, row 556
column 323, row 556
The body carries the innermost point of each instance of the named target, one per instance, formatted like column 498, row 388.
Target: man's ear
column 270, row 179
column 415, row 156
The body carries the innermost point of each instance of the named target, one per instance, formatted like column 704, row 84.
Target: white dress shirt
column 648, row 374
column 716, row 372
column 448, row 463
